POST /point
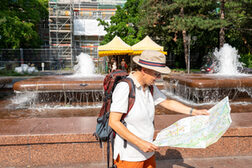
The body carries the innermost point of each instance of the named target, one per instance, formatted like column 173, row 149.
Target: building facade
column 73, row 27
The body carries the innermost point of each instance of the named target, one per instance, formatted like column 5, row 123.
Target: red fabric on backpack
column 109, row 84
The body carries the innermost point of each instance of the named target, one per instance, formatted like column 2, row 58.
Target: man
column 123, row 65
column 112, row 64
column 114, row 67
column 139, row 132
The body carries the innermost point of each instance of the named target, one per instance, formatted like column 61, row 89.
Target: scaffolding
column 62, row 13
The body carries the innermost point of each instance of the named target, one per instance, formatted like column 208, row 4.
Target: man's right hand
column 120, row 129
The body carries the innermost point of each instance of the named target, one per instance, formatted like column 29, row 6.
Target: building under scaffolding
column 73, row 27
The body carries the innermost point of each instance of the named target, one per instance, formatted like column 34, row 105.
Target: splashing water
column 228, row 59
column 85, row 66
column 24, row 98
column 228, row 81
column 20, row 101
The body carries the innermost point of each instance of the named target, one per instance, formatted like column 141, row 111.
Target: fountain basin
column 211, row 81
column 4, row 81
column 59, row 83
column 202, row 88
column 61, row 89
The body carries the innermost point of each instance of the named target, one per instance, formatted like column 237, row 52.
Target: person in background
column 112, row 64
column 114, row 67
column 123, row 65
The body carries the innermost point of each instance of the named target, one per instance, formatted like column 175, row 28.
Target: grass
column 185, row 70
column 13, row 73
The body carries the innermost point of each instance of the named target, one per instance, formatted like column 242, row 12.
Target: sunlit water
column 228, row 66
column 61, row 100
column 85, row 66
column 228, row 60
column 83, row 70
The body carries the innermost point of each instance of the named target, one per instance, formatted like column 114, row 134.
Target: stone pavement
column 68, row 141
column 217, row 162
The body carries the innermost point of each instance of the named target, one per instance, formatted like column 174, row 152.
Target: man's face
column 150, row 76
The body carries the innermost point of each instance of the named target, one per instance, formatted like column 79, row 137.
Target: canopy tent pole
column 131, row 62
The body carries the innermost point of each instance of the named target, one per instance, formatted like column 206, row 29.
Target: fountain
column 85, row 66
column 84, row 86
column 4, row 81
column 210, row 88
column 79, row 94
column 228, row 61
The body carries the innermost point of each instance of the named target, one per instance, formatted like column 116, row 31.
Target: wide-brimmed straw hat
column 153, row 60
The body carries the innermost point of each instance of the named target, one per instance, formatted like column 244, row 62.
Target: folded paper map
column 197, row 131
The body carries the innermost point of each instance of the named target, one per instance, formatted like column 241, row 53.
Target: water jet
column 210, row 88
column 82, row 87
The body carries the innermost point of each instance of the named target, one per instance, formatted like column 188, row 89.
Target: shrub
column 246, row 59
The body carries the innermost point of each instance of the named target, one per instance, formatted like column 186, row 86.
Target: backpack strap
column 108, row 152
column 132, row 95
column 131, row 101
column 112, row 146
column 112, row 150
column 151, row 89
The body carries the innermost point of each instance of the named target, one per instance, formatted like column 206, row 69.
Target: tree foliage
column 124, row 23
column 239, row 33
column 18, row 22
column 170, row 22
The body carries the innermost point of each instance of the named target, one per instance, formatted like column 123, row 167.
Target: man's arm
column 181, row 108
column 119, row 128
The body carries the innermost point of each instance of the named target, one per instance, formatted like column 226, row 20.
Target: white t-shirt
column 139, row 120
column 114, row 66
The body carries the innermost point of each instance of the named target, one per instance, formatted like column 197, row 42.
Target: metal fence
column 50, row 59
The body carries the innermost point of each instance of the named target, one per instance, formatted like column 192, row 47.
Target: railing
column 51, row 58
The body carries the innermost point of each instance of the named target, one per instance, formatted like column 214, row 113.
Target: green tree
column 239, row 31
column 124, row 23
column 171, row 20
column 18, row 22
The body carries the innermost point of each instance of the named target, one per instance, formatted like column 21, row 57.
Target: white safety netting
column 88, row 27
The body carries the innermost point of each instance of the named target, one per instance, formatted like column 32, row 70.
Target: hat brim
column 163, row 70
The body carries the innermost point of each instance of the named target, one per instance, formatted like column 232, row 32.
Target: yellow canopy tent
column 146, row 44
column 115, row 47
column 118, row 47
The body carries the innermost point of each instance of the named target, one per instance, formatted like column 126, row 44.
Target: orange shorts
column 149, row 163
